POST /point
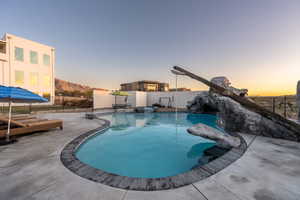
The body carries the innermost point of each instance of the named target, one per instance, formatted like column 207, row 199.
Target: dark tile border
column 70, row 161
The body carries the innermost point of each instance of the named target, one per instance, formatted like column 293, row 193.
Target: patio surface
column 31, row 169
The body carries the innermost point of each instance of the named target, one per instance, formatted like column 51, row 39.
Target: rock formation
column 240, row 114
column 235, row 118
column 223, row 140
column 225, row 83
column 66, row 86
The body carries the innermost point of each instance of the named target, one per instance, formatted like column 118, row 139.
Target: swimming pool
column 147, row 145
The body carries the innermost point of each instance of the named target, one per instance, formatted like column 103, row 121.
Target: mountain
column 68, row 88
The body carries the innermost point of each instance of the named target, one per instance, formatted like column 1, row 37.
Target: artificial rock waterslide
column 237, row 113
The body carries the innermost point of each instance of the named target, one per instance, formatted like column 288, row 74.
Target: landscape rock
column 203, row 103
column 225, row 83
column 223, row 140
column 221, row 81
column 233, row 117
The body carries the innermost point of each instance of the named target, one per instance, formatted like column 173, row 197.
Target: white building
column 27, row 64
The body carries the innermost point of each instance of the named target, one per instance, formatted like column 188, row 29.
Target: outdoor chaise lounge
column 27, row 124
column 118, row 106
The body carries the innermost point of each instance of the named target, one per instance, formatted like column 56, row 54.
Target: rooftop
column 144, row 81
column 8, row 35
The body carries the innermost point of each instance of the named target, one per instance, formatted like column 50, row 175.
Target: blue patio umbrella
column 17, row 95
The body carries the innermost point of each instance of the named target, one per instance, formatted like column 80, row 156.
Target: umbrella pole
column 9, row 119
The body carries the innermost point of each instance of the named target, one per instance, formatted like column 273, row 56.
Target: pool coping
column 70, row 161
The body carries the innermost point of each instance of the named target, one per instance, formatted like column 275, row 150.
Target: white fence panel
column 179, row 99
column 103, row 99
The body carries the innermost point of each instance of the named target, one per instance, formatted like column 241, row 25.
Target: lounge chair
column 118, row 106
column 27, row 124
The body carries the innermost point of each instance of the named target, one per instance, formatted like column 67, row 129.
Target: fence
column 283, row 105
column 61, row 104
column 103, row 99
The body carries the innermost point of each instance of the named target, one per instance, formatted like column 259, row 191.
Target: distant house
column 144, row 85
column 179, row 89
column 27, row 64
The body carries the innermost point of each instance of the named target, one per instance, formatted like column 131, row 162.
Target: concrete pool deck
column 31, row 169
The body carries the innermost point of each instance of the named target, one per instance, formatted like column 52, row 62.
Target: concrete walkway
column 31, row 169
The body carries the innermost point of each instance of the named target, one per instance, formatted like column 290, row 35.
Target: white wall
column 103, row 99
column 137, row 99
column 141, row 99
column 178, row 99
column 131, row 99
column 3, row 71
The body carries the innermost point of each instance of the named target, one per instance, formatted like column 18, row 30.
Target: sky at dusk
column 256, row 43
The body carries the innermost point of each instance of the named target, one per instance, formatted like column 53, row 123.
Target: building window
column 2, row 47
column 19, row 77
column 33, row 57
column 33, row 79
column 46, row 60
column 151, row 87
column 19, row 54
column 47, row 81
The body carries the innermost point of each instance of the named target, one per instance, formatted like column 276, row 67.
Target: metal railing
column 283, row 105
column 63, row 106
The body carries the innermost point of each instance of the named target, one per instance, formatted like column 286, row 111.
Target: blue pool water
column 147, row 145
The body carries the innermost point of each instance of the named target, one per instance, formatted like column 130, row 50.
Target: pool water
column 147, row 145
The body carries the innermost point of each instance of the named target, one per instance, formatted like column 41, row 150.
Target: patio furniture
column 27, row 125
column 122, row 94
column 169, row 104
column 117, row 106
column 20, row 95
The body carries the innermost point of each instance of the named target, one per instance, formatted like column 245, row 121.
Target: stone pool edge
column 199, row 173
